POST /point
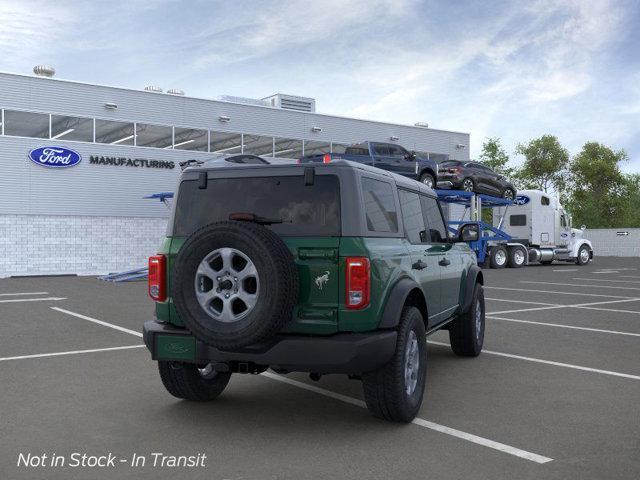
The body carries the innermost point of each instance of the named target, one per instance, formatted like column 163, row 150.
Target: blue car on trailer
column 493, row 246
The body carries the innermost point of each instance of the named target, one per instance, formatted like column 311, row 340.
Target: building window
column 287, row 148
column 380, row 206
column 312, row 147
column 224, row 142
column 157, row 136
column 114, row 133
column 190, row 139
column 72, row 128
column 26, row 124
column 257, row 145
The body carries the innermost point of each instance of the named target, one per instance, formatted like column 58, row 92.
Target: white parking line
column 519, row 301
column 628, row 276
column 579, row 285
column 566, row 269
column 549, row 362
column 72, row 352
column 485, row 442
column 577, row 305
column 559, row 325
column 604, row 280
column 99, row 322
column 615, row 310
column 556, row 292
column 45, row 299
column 528, row 309
column 23, row 293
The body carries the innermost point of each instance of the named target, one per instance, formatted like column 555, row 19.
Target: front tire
column 395, row 391
column 583, row 255
column 466, row 332
column 508, row 194
column 187, row 381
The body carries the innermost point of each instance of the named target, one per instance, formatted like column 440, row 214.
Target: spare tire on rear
column 234, row 284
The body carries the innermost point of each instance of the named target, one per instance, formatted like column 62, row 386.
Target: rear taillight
column 157, row 278
column 358, row 282
column 326, row 158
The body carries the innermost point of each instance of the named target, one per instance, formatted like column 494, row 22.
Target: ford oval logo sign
column 56, row 157
column 521, row 200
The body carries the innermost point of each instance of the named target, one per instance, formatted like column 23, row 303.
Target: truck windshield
column 305, row 210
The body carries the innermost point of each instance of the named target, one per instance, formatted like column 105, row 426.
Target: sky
column 514, row 70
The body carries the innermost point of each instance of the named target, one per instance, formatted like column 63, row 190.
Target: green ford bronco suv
column 331, row 268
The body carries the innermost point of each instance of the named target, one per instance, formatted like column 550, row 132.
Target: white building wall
column 612, row 242
column 54, row 245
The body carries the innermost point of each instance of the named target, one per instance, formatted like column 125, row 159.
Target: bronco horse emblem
column 321, row 280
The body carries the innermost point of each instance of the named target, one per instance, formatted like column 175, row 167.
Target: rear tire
column 394, row 392
column 517, row 257
column 187, row 381
column 466, row 332
column 498, row 257
column 428, row 180
column 468, row 185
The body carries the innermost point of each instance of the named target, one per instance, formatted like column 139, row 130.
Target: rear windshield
column 305, row 210
column 450, row 163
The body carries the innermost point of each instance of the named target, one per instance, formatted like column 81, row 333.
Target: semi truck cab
column 538, row 221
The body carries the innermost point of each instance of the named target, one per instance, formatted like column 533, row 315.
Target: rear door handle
column 419, row 265
column 444, row 262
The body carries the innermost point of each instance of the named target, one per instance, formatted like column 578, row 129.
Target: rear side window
column 304, row 210
column 381, row 149
column 380, row 206
column 433, row 220
column 412, row 218
column 517, row 220
column 357, row 150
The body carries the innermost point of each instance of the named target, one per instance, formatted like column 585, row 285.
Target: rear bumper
column 351, row 353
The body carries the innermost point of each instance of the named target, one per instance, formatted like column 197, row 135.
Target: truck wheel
column 466, row 332
column 583, row 255
column 186, row 380
column 234, row 284
column 517, row 257
column 498, row 257
column 395, row 391
column 428, row 180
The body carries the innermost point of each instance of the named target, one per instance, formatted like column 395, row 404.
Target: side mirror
column 410, row 156
column 583, row 227
column 469, row 233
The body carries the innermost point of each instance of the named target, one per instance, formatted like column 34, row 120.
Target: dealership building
column 77, row 160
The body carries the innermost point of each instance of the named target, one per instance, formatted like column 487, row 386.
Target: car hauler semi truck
column 538, row 221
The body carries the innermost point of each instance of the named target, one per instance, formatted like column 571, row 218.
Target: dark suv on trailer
column 474, row 177
column 336, row 268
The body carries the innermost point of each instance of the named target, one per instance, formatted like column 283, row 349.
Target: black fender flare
column 429, row 170
column 474, row 275
column 395, row 302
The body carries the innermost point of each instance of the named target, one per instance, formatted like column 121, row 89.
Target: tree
column 599, row 192
column 495, row 157
column 631, row 213
column 545, row 164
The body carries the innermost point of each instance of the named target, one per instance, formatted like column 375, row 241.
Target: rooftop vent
column 244, row 100
column 153, row 88
column 44, row 71
column 175, row 91
column 422, row 124
column 292, row 102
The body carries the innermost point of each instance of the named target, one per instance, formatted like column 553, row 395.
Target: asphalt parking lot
column 555, row 394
